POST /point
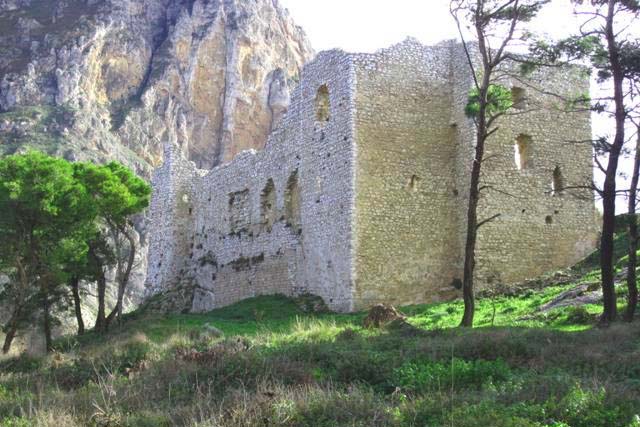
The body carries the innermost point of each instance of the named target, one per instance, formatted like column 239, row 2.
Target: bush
column 586, row 408
column 15, row 422
column 21, row 364
column 73, row 375
column 434, row 376
column 579, row 315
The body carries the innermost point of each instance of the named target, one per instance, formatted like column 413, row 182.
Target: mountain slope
column 106, row 79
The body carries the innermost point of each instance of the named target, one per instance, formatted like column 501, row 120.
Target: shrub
column 74, row 374
column 15, row 422
column 586, row 408
column 21, row 364
column 434, row 376
column 579, row 315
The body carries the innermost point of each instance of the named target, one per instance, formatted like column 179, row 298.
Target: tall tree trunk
column 46, row 316
column 74, row 284
column 632, row 300
column 609, row 313
column 14, row 321
column 101, row 316
column 474, row 186
column 101, row 280
column 472, row 211
column 123, row 279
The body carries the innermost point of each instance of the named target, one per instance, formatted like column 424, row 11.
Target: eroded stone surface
column 361, row 192
column 213, row 75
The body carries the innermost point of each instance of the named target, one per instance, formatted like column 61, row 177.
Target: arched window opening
column 518, row 96
column 557, row 185
column 323, row 104
column 292, row 202
column 524, row 152
column 268, row 204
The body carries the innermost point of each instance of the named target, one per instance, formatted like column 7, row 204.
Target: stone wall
column 360, row 195
column 273, row 221
column 539, row 229
column 406, row 210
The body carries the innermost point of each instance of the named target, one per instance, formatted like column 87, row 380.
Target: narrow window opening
column 268, row 204
column 323, row 104
column 549, row 220
column 523, row 152
column 239, row 212
column 414, row 183
column 518, row 96
column 557, row 185
column 292, row 202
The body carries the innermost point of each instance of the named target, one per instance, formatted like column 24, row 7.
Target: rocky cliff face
column 115, row 79
column 103, row 79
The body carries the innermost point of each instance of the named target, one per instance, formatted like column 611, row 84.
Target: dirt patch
column 214, row 354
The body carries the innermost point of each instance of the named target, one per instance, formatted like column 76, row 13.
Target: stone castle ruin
column 359, row 196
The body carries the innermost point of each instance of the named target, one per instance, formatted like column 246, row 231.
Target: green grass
column 268, row 362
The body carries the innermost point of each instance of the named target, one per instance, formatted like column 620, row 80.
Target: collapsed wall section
column 406, row 187
column 170, row 226
column 277, row 220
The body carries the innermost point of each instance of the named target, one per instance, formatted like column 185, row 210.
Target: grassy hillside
column 269, row 362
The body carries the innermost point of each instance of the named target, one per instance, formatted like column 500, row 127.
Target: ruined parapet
column 170, row 219
column 360, row 195
column 272, row 221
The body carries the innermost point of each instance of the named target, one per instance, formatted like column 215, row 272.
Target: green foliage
column 292, row 367
column 41, row 207
column 499, row 100
column 15, row 422
column 432, row 376
column 525, row 12
column 50, row 216
column 579, row 315
column 115, row 191
column 585, row 408
column 22, row 364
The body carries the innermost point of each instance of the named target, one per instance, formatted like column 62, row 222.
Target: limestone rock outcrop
column 115, row 79
column 105, row 79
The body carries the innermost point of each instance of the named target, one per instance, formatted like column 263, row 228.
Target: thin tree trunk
column 474, row 186
column 12, row 328
column 46, row 315
column 609, row 313
column 75, row 291
column 472, row 211
column 123, row 280
column 101, row 317
column 102, row 288
column 470, row 246
column 632, row 300
column 11, row 334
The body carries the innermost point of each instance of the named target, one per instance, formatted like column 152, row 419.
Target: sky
column 368, row 25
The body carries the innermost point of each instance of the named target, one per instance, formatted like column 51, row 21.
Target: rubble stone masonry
column 360, row 194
